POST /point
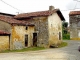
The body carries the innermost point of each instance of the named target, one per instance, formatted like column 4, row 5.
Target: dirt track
column 69, row 52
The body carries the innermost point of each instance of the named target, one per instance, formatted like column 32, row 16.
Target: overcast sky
column 24, row 6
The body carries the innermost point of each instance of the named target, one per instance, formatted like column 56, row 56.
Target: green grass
column 23, row 50
column 63, row 44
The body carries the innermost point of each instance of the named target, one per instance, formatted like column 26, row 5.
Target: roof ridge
column 74, row 13
column 37, row 13
column 9, row 20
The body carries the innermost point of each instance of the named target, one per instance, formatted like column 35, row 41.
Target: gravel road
column 69, row 52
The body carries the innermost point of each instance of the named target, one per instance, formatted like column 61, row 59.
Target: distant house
column 48, row 26
column 74, row 18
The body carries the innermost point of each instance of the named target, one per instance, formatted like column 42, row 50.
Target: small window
column 59, row 35
column 26, row 28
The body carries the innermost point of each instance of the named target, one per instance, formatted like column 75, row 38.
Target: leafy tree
column 65, row 25
column 65, row 34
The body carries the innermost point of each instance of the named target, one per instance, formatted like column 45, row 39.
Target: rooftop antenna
column 17, row 12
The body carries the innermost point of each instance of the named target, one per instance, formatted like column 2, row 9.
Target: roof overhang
column 60, row 15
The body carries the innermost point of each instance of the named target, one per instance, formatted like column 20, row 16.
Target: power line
column 71, row 9
column 11, row 6
column 67, row 10
column 76, row 0
column 74, row 6
column 22, row 11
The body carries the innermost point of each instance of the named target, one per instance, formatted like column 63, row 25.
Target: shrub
column 66, row 36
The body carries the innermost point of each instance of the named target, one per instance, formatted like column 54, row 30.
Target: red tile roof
column 3, row 32
column 12, row 20
column 74, row 13
column 40, row 13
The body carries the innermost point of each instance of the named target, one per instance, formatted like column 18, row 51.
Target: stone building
column 4, row 40
column 74, row 18
column 48, row 26
column 42, row 28
column 20, row 33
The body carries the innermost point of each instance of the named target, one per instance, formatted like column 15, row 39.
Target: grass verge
column 63, row 44
column 25, row 49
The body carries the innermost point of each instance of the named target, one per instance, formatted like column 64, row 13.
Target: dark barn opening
column 34, row 39
column 26, row 40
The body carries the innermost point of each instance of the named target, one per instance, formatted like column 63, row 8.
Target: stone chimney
column 51, row 8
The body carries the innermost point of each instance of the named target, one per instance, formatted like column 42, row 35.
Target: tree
column 65, row 25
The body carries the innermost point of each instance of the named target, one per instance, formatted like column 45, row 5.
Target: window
column 26, row 40
column 26, row 28
column 59, row 35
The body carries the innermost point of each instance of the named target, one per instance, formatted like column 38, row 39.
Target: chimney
column 51, row 8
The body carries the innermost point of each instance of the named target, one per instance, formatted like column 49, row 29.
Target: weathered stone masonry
column 74, row 27
column 41, row 28
column 18, row 36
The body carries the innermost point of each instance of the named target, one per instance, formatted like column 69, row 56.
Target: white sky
column 25, row 6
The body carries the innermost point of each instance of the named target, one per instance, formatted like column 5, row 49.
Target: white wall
column 54, row 26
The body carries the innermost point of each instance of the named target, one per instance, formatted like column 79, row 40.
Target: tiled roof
column 12, row 21
column 74, row 13
column 40, row 13
column 3, row 32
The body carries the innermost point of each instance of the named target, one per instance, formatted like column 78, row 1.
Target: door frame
column 59, row 35
column 34, row 39
column 25, row 40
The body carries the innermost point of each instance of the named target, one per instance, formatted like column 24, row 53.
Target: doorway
column 34, row 39
column 26, row 40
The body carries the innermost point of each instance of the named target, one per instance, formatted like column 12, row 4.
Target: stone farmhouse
column 42, row 29
column 14, row 32
column 74, row 18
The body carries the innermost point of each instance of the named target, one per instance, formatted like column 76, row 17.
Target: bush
column 66, row 36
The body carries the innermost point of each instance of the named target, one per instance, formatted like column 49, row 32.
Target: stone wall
column 42, row 32
column 4, row 42
column 47, row 28
column 30, row 32
column 55, row 29
column 5, row 26
column 18, row 37
column 75, row 27
column 18, row 32
column 41, row 28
